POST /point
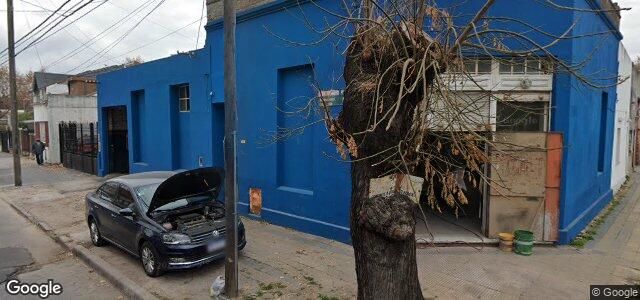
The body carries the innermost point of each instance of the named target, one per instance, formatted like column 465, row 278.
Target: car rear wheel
column 96, row 237
column 150, row 260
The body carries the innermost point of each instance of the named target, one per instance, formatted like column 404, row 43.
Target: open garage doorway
column 461, row 224
column 117, row 139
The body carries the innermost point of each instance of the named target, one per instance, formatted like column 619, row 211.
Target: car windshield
column 145, row 193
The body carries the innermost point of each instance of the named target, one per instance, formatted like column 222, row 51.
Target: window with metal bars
column 184, row 102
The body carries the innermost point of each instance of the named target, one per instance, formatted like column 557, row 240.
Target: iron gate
column 79, row 146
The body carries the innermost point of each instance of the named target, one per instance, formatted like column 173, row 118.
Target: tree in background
column 132, row 61
column 25, row 93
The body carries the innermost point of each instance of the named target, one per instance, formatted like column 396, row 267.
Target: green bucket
column 523, row 242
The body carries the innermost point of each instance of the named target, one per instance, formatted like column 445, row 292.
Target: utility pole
column 230, row 120
column 15, row 131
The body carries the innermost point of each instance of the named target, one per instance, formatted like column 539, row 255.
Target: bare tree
column 404, row 114
column 132, row 61
column 25, row 93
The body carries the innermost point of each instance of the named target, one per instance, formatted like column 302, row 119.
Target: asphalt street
column 30, row 256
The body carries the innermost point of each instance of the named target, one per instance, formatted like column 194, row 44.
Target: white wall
column 620, row 157
column 40, row 113
column 63, row 108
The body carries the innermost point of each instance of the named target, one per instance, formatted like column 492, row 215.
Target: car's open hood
column 186, row 184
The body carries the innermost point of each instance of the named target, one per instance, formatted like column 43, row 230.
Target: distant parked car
column 169, row 220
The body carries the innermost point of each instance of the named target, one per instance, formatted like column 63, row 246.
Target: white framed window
column 184, row 102
column 521, row 116
column 477, row 66
column 530, row 66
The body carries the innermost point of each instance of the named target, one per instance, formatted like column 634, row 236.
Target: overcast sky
column 630, row 26
column 169, row 17
column 172, row 27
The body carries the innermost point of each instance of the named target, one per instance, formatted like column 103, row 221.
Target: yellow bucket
column 506, row 241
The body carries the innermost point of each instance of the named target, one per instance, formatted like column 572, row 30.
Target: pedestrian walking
column 37, row 149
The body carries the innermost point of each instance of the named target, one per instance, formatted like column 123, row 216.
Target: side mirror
column 126, row 212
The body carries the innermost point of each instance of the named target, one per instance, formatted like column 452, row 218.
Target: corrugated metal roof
column 93, row 73
column 42, row 80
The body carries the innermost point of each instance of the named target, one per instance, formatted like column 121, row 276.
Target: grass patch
column 272, row 286
column 590, row 232
column 311, row 281
column 327, row 297
column 273, row 289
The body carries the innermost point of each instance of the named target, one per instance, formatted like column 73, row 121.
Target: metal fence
column 26, row 139
column 79, row 146
column 5, row 141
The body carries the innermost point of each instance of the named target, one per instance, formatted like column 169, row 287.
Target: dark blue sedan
column 169, row 220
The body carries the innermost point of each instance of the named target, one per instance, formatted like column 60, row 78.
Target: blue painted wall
column 161, row 137
column 580, row 116
column 303, row 184
column 577, row 109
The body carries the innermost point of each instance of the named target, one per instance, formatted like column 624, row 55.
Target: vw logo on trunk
column 215, row 233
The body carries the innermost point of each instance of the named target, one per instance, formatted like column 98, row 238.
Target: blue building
column 169, row 114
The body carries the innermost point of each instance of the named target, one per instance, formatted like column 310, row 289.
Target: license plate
column 215, row 246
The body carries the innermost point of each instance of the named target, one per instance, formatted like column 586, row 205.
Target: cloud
column 630, row 26
column 170, row 16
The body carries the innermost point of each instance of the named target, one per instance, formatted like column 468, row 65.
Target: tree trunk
column 385, row 268
column 382, row 228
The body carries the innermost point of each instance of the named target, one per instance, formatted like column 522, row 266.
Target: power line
column 44, row 30
column 42, row 37
column 28, row 11
column 38, row 26
column 154, row 22
column 100, row 35
column 36, row 5
column 67, row 31
column 200, row 24
column 74, row 25
column 35, row 48
column 116, row 42
column 157, row 40
column 58, row 18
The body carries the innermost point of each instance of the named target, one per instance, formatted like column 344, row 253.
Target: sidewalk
column 276, row 262
column 282, row 263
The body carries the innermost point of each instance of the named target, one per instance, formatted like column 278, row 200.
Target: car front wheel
column 96, row 237
column 150, row 260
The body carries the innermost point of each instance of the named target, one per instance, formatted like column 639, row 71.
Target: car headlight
column 175, row 238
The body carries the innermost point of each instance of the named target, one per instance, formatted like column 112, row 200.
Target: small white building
column 61, row 98
column 622, row 147
column 65, row 109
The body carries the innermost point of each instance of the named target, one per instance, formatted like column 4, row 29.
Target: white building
column 61, row 98
column 622, row 147
column 64, row 109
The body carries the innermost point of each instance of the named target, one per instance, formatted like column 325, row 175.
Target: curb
column 44, row 226
column 115, row 277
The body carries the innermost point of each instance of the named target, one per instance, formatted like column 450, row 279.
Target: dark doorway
column 217, row 131
column 461, row 223
column 117, row 139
